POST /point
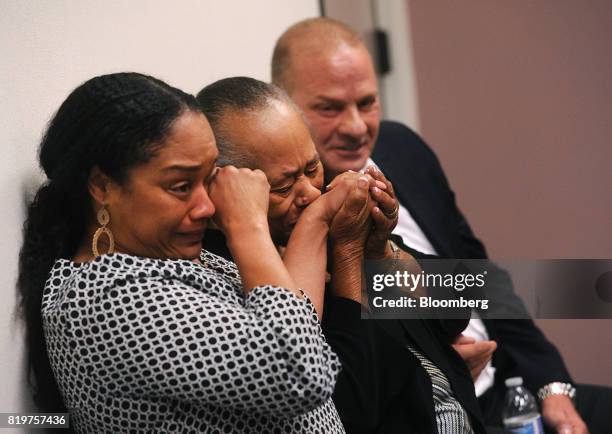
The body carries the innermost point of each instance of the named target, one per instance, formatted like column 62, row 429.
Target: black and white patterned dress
column 149, row 345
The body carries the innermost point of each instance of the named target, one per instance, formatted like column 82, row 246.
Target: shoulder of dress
column 219, row 264
column 118, row 271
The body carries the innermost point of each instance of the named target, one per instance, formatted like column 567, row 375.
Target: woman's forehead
column 189, row 145
column 275, row 135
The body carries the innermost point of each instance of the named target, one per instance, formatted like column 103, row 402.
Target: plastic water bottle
column 520, row 412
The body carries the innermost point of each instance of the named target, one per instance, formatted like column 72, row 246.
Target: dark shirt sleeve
column 375, row 368
column 522, row 348
column 356, row 394
column 381, row 387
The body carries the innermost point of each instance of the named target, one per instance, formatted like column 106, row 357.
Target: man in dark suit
column 325, row 68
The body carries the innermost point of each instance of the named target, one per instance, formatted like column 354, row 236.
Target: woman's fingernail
column 363, row 182
column 375, row 190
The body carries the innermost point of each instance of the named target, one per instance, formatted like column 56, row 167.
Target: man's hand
column 559, row 413
column 476, row 355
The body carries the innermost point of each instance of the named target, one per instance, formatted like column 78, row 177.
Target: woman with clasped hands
column 142, row 329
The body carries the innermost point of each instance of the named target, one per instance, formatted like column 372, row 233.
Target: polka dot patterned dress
column 149, row 345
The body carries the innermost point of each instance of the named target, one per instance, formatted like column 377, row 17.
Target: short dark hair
column 236, row 94
column 114, row 122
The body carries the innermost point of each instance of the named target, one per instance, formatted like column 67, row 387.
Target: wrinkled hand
column 352, row 221
column 384, row 209
column 384, row 215
column 476, row 355
column 559, row 413
column 326, row 206
column 241, row 198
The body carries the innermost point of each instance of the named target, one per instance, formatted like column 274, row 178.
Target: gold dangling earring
column 103, row 220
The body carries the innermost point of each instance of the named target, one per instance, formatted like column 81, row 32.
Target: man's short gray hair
column 319, row 32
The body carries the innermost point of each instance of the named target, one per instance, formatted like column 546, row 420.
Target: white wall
column 399, row 87
column 49, row 47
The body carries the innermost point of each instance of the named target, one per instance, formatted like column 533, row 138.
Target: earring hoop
column 103, row 219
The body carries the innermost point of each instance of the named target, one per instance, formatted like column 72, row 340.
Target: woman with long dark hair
column 130, row 323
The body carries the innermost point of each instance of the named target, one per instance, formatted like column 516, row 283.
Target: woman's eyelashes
column 282, row 190
column 312, row 171
column 180, row 188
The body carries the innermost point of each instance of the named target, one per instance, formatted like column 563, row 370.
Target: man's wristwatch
column 557, row 388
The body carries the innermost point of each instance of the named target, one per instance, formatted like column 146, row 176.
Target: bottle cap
column 514, row 381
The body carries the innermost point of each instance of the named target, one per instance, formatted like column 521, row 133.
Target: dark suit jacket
column 421, row 187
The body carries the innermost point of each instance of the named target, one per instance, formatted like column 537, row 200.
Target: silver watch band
column 557, row 388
